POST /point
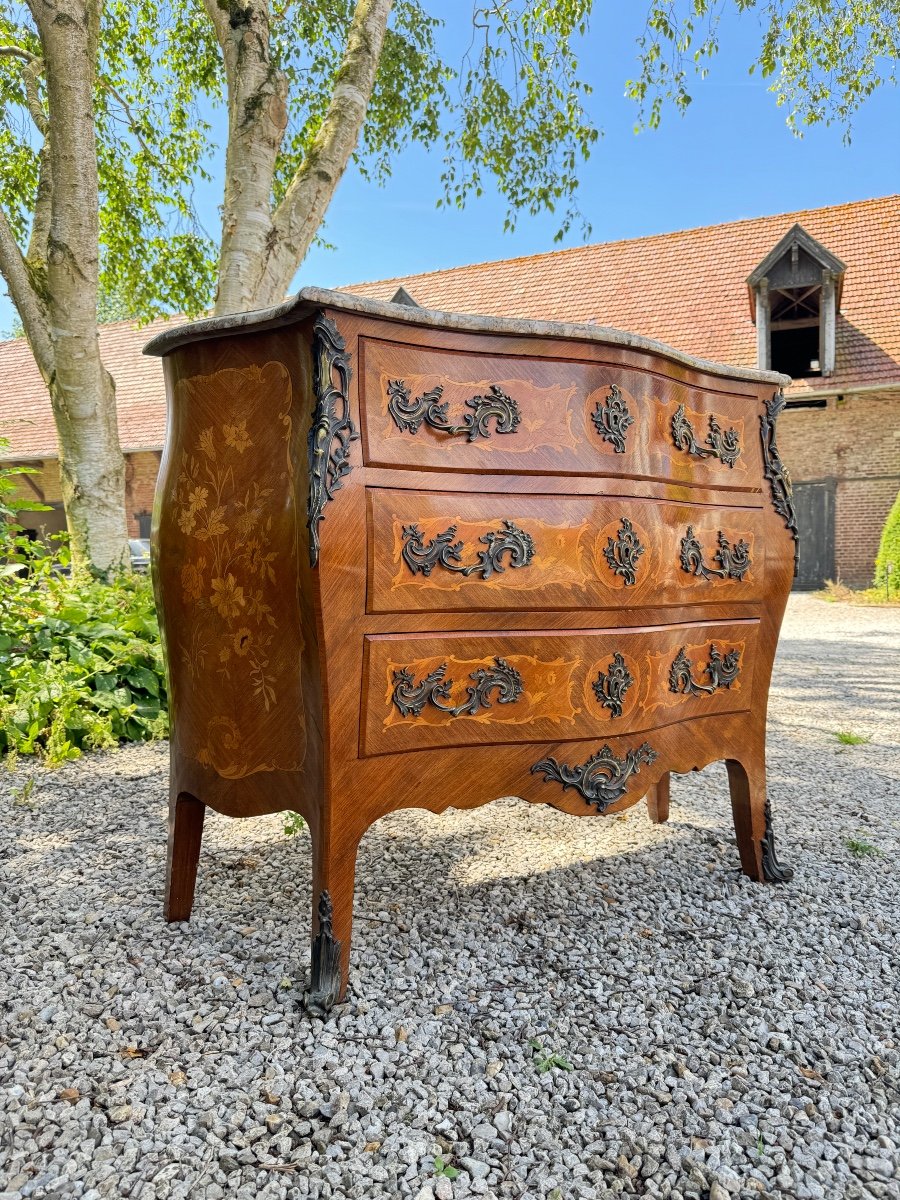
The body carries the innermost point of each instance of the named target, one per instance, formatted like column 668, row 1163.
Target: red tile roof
column 25, row 417
column 687, row 289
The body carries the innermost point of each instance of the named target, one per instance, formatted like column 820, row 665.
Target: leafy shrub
column 889, row 550
column 80, row 663
column 80, row 659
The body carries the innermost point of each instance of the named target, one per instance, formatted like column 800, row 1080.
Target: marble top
column 310, row 299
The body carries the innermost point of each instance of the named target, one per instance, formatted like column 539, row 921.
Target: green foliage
column 546, row 1060
column 512, row 114
column 824, row 57
column 444, row 1168
column 293, row 823
column 21, row 796
column 152, row 148
column 860, row 848
column 846, row 738
column 80, row 660
column 11, row 502
column 887, row 561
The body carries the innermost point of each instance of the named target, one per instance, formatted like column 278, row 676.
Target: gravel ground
column 713, row 1038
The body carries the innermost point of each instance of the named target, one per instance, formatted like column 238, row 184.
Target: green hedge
column 889, row 550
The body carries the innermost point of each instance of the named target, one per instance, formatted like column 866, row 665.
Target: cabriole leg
column 334, row 871
column 753, row 824
column 186, row 815
column 658, row 801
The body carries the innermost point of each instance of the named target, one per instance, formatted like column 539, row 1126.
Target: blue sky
column 731, row 156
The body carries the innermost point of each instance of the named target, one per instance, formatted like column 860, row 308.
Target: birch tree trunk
column 60, row 317
column 262, row 246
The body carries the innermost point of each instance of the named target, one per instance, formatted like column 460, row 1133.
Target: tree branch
column 224, row 35
column 309, row 193
column 30, row 75
column 27, row 299
column 18, row 52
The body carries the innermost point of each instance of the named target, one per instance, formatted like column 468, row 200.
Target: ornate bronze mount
column 603, row 779
column 776, row 472
column 325, row 975
column 410, row 697
column 734, row 561
column 623, row 552
column 612, row 419
column 610, row 688
column 773, row 871
column 409, row 414
column 724, row 446
column 443, row 551
column 332, row 430
column 722, row 672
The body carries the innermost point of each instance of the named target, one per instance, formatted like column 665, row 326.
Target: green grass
column 860, row 848
column 846, row 738
column 546, row 1060
column 839, row 593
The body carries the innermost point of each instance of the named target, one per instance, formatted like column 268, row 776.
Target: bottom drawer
column 429, row 690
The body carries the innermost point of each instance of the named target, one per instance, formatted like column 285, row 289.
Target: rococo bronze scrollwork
column 603, row 779
column 623, row 551
column 723, row 445
column 734, row 560
column 610, row 687
column 776, row 472
column 325, row 962
column 722, row 672
column 773, row 870
column 410, row 697
column 332, row 430
column 444, row 552
column 409, row 414
column 612, row 419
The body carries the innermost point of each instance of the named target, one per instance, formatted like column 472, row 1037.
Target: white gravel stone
column 724, row 1039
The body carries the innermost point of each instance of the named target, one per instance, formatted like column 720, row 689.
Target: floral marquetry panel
column 236, row 647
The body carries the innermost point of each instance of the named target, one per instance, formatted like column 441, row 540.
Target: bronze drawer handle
column 603, row 779
column 610, row 688
column 722, row 672
column 409, row 414
column 443, row 551
column 623, row 551
column 725, row 446
column 410, row 697
column 734, row 561
column 612, row 419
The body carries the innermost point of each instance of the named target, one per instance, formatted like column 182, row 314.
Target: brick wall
column 854, row 441
column 140, row 482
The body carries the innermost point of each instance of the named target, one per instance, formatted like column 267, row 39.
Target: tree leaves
column 824, row 57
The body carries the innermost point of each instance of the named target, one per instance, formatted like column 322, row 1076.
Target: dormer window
column 795, row 296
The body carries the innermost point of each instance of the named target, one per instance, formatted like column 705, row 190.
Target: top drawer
column 450, row 410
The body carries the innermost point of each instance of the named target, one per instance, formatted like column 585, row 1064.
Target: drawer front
column 454, row 411
column 425, row 691
column 448, row 551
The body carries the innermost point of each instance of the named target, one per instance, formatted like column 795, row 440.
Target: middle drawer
column 462, row 689
column 451, row 551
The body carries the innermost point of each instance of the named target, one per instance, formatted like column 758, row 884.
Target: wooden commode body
column 406, row 558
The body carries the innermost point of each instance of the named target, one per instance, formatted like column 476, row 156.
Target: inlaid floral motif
column 227, row 501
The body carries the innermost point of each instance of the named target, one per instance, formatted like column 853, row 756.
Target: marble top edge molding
column 310, row 298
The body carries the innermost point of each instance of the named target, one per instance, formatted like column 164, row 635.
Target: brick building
column 815, row 293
